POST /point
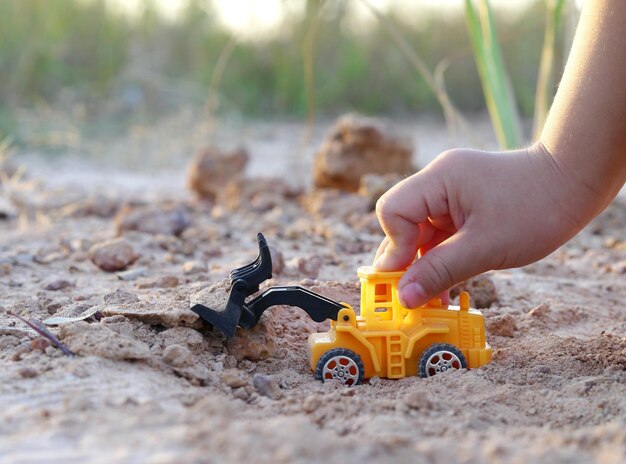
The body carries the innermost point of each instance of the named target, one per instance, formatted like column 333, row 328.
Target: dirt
column 151, row 383
column 356, row 146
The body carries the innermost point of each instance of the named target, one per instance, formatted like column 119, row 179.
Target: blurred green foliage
column 57, row 51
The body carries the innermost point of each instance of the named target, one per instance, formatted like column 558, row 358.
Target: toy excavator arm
column 245, row 281
column 317, row 306
column 247, row 315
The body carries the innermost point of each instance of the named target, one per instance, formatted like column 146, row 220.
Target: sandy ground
column 555, row 391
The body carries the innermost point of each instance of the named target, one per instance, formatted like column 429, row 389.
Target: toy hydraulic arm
column 245, row 282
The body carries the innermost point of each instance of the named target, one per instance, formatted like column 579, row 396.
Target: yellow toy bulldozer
column 385, row 340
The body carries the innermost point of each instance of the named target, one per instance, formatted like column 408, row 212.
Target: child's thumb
column 444, row 266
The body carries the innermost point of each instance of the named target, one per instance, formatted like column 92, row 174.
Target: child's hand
column 501, row 210
column 478, row 211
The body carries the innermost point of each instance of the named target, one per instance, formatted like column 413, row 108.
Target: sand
column 151, row 383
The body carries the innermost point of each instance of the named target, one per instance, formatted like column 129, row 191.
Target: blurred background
column 148, row 81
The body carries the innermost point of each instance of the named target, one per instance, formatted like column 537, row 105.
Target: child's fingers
column 442, row 267
column 403, row 213
column 396, row 257
column 381, row 248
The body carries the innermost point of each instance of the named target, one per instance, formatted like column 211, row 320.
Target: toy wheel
column 340, row 365
column 441, row 357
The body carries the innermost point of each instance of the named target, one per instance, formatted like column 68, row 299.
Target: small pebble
column 113, row 255
column 27, row 372
column 194, row 267
column 266, row 385
column 166, row 281
column 177, row 356
column 57, row 284
column 40, row 344
column 234, row 378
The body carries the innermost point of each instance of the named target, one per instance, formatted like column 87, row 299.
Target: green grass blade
column 494, row 79
column 545, row 76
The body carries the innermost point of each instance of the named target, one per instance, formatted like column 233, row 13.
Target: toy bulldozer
column 385, row 340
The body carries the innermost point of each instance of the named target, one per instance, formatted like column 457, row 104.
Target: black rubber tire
column 434, row 348
column 326, row 357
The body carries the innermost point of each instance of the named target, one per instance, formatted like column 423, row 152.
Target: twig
column 44, row 332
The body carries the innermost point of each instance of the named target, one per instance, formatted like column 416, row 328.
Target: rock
column 39, row 344
column 113, row 255
column 357, row 146
column 254, row 344
column 235, row 378
column 184, row 336
column 503, row 326
column 230, row 362
column 27, row 373
column 481, row 288
column 177, row 356
column 120, row 296
column 214, row 296
column 212, row 169
column 156, row 313
column 166, row 281
column 164, row 220
column 132, row 274
column 196, row 374
column 373, row 186
column 266, row 386
column 194, row 267
column 56, row 283
column 310, row 267
column 98, row 340
column 541, row 312
column 278, row 261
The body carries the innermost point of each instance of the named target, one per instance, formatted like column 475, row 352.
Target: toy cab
column 389, row 340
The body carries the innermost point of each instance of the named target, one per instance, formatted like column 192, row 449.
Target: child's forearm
column 586, row 128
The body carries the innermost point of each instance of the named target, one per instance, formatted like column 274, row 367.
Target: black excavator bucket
column 245, row 281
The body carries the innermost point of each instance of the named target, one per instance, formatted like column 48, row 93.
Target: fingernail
column 412, row 295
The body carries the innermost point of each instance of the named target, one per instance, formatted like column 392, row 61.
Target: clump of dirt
column 482, row 291
column 357, row 146
column 256, row 343
column 502, row 325
column 604, row 351
column 213, row 168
